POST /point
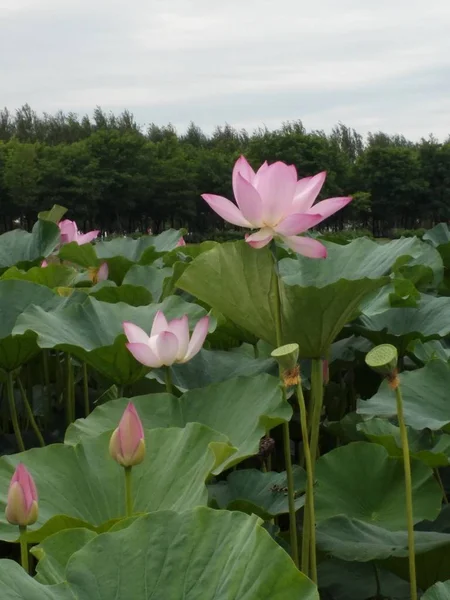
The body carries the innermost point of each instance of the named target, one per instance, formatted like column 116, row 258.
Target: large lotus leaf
column 243, row 409
column 108, row 291
column 325, row 293
column 438, row 235
column 15, row 298
column 149, row 278
column 363, row 482
column 21, row 249
column 264, row 494
column 90, row 330
column 353, row 540
column 84, row 485
column 53, row 276
column 55, row 214
column 439, row 591
column 425, row 398
column 360, row 581
column 166, row 556
column 400, row 326
column 83, row 255
column 212, row 366
column 187, row 253
column 429, row 447
column 427, row 351
column 55, row 551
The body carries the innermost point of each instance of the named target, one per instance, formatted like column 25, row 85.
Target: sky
column 371, row 64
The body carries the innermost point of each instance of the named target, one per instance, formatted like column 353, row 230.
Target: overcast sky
column 372, row 64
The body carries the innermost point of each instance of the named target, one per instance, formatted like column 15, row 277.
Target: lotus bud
column 22, row 501
column 44, row 264
column 383, row 360
column 100, row 273
column 127, row 444
column 181, row 242
column 287, row 358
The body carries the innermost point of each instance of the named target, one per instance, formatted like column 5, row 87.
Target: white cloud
column 377, row 64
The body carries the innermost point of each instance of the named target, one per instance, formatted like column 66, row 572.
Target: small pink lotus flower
column 127, row 444
column 168, row 342
column 70, row 233
column 22, row 502
column 103, row 272
column 279, row 206
column 44, row 264
column 181, row 242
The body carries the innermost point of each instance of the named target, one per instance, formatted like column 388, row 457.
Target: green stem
column 29, row 410
column 86, row 390
column 13, row 411
column 290, row 482
column 47, row 386
column 377, row 581
column 24, row 548
column 317, row 403
column 439, row 480
column 169, row 386
column 128, row 496
column 309, row 533
column 408, row 492
column 286, row 438
column 70, row 400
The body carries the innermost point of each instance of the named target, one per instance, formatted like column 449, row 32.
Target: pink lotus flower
column 168, row 342
column 103, row 272
column 70, row 233
column 279, row 206
column 44, row 264
column 22, row 502
column 181, row 242
column 127, row 443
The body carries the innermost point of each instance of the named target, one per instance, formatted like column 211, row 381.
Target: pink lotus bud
column 22, row 502
column 44, row 264
column 181, row 242
column 127, row 444
column 103, row 272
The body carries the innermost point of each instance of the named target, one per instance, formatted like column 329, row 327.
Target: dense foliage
column 209, row 501
column 113, row 175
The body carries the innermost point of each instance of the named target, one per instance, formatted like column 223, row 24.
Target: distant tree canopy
column 112, row 174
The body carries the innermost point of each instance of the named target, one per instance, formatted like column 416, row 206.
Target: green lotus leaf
column 433, row 449
column 21, row 249
column 213, row 366
column 264, row 494
column 89, row 330
column 425, row 398
column 53, row 276
column 55, row 214
column 83, row 255
column 166, row 555
column 353, row 540
column 108, row 291
column 363, row 482
column 360, row 581
column 400, row 326
column 439, row 591
column 243, row 409
column 84, row 484
column 326, row 293
column 149, row 278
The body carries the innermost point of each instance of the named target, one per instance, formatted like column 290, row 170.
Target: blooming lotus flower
column 168, row 342
column 181, row 242
column 22, row 502
column 127, row 443
column 70, row 233
column 274, row 202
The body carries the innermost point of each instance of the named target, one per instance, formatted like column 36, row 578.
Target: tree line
column 114, row 175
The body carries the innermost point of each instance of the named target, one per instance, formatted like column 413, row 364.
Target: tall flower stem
column 128, row 494
column 13, row 411
column 275, row 284
column 70, row 395
column 30, row 414
column 309, row 533
column 408, row 489
column 317, row 404
column 47, row 386
column 24, row 549
column 86, row 390
column 169, row 386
